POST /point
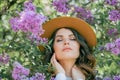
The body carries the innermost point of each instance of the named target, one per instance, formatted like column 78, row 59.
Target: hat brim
column 78, row 24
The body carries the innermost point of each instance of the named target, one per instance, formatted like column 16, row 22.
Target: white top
column 61, row 76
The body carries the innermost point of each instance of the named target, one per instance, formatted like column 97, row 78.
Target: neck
column 67, row 65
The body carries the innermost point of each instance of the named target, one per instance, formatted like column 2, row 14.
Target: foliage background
column 21, row 49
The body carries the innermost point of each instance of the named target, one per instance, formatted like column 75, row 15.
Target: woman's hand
column 77, row 74
column 56, row 65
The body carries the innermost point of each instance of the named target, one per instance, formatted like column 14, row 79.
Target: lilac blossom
column 19, row 71
column 112, row 32
column 114, row 15
column 115, row 50
column 109, row 46
column 116, row 77
column 38, row 40
column 113, row 47
column 4, row 58
column 29, row 6
column 29, row 21
column 84, row 14
column 111, row 2
column 117, row 42
column 38, row 76
column 61, row 6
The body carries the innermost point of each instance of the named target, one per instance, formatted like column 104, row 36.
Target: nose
column 66, row 42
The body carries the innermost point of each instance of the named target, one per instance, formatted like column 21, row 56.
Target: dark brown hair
column 85, row 61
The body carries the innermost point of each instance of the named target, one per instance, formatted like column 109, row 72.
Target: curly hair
column 85, row 62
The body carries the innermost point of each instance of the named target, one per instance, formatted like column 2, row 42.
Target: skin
column 66, row 49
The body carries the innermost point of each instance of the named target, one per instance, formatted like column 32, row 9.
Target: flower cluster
column 112, row 32
column 114, row 15
column 61, row 6
column 84, row 14
column 29, row 22
column 21, row 73
column 116, row 77
column 38, row 76
column 111, row 2
column 113, row 47
column 4, row 58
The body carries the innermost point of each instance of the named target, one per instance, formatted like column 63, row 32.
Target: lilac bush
column 112, row 32
column 20, row 55
column 61, row 6
column 112, row 2
column 84, row 14
column 117, row 77
column 114, row 15
column 29, row 22
column 80, row 12
column 19, row 71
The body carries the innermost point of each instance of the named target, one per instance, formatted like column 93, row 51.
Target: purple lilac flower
column 114, row 15
column 107, row 78
column 117, row 42
column 115, row 50
column 109, row 46
column 116, row 77
column 4, row 58
column 111, row 2
column 38, row 76
column 114, row 46
column 38, row 40
column 19, row 71
column 29, row 21
column 29, row 6
column 84, row 14
column 112, row 32
column 61, row 6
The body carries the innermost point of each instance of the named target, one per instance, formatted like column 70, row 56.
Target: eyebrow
column 62, row 35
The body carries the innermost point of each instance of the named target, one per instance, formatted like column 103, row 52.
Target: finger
column 53, row 60
column 52, row 57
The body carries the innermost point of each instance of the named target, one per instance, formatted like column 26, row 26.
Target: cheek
column 76, row 49
column 57, row 48
column 58, row 51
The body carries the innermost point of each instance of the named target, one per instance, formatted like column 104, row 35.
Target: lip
column 67, row 49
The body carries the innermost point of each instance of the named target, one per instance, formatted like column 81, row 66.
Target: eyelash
column 73, row 39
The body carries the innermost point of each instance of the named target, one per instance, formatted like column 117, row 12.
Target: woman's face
column 65, row 45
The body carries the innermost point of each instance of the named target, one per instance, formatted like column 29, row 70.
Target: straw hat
column 76, row 23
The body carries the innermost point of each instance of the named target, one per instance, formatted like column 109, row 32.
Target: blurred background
column 19, row 52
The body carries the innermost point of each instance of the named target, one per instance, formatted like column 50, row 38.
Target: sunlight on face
column 65, row 45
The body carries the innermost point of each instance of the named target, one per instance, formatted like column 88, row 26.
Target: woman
column 71, row 42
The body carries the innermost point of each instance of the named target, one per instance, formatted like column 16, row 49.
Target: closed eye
column 59, row 40
column 73, row 39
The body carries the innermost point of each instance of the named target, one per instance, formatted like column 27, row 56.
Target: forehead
column 64, row 31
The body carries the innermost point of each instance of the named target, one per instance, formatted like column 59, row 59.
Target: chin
column 67, row 58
